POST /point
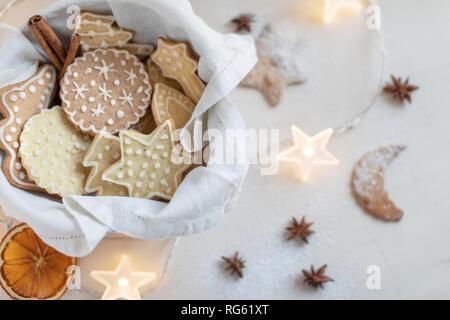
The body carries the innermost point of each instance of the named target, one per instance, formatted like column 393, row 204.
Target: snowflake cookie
column 103, row 152
column 105, row 90
column 146, row 166
column 52, row 151
column 18, row 103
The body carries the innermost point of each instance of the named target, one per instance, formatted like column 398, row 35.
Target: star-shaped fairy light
column 331, row 7
column 123, row 283
column 308, row 151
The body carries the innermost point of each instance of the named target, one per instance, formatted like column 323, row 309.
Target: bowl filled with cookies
column 102, row 102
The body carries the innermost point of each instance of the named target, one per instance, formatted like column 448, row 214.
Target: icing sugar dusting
column 282, row 46
column 370, row 169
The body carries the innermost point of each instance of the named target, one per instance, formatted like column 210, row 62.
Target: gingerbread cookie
column 368, row 183
column 279, row 65
column 146, row 166
column 100, row 31
column 177, row 62
column 103, row 152
column 168, row 103
column 52, row 151
column 105, row 90
column 155, row 76
column 19, row 102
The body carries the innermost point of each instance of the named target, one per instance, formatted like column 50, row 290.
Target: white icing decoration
column 104, row 69
column 127, row 98
column 98, row 111
column 79, row 91
column 131, row 76
column 105, row 93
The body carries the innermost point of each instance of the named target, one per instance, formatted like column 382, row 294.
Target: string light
column 122, row 282
column 308, row 151
column 331, row 7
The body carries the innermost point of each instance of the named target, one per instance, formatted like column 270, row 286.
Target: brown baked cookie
column 103, row 152
column 19, row 102
column 177, row 61
column 101, row 31
column 147, row 166
column 105, row 90
column 155, row 76
column 168, row 103
column 368, row 183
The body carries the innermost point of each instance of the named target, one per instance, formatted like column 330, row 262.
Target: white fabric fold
column 76, row 225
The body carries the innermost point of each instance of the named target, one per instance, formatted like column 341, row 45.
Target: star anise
column 300, row 229
column 235, row 264
column 244, row 22
column 399, row 89
column 316, row 278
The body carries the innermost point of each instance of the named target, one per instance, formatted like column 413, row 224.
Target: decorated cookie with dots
column 19, row 102
column 103, row 152
column 147, row 166
column 177, row 62
column 52, row 151
column 105, row 90
column 101, row 31
column 168, row 103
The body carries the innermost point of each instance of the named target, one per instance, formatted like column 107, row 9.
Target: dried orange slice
column 31, row 270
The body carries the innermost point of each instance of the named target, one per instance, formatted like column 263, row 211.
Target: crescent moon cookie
column 103, row 152
column 177, row 62
column 19, row 102
column 105, row 90
column 368, row 183
column 52, row 151
column 146, row 166
column 168, row 103
column 100, row 31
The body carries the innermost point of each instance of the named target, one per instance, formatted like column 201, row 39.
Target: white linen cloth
column 76, row 225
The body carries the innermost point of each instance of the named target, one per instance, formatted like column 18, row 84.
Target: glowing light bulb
column 308, row 151
column 331, row 7
column 122, row 282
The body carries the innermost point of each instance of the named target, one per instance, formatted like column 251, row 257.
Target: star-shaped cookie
column 102, row 153
column 278, row 65
column 148, row 167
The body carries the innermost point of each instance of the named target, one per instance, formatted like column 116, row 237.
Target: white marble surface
column 342, row 66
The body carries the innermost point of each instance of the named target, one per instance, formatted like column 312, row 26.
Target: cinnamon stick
column 71, row 53
column 48, row 40
column 50, row 36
